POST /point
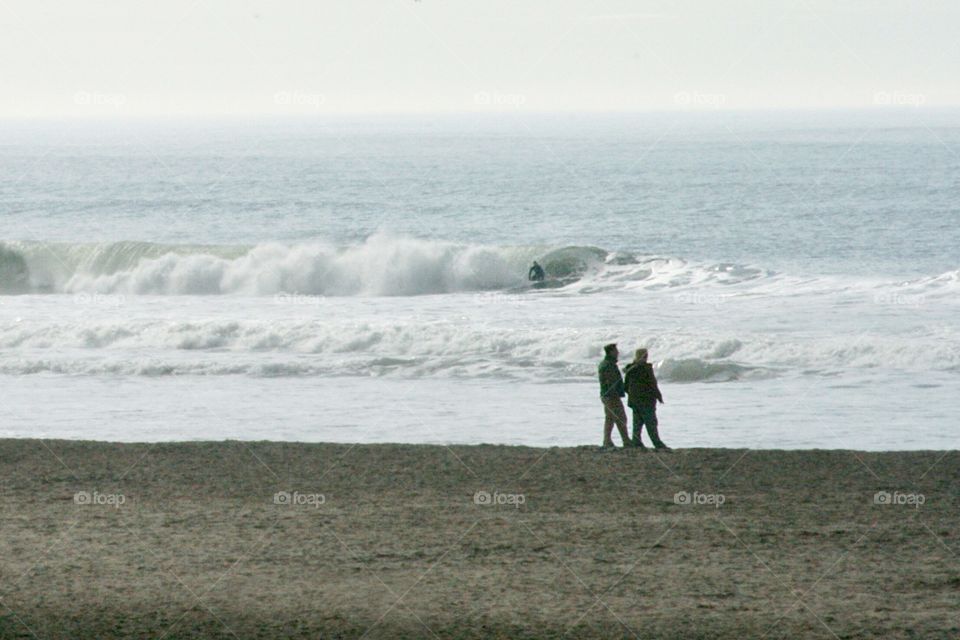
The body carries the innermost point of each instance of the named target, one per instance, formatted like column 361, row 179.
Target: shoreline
column 254, row 539
column 470, row 445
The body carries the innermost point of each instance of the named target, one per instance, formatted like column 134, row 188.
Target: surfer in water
column 536, row 273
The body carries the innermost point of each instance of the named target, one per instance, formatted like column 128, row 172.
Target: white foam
column 387, row 265
column 327, row 346
column 382, row 265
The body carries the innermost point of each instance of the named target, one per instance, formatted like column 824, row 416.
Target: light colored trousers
column 614, row 414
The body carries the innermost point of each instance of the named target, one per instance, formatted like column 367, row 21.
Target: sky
column 244, row 57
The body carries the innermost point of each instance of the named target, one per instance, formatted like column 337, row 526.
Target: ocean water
column 795, row 277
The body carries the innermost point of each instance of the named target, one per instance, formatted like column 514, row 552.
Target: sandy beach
column 265, row 540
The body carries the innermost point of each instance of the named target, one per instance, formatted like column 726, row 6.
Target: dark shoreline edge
column 428, row 445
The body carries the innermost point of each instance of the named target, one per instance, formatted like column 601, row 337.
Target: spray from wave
column 383, row 265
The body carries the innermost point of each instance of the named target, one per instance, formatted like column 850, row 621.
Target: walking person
column 611, row 392
column 642, row 396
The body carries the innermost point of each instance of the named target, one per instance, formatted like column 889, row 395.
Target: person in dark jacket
column 611, row 392
column 642, row 396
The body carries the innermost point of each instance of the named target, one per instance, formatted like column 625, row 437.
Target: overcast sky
column 199, row 57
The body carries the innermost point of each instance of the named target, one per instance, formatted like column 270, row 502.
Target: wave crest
column 385, row 265
column 382, row 265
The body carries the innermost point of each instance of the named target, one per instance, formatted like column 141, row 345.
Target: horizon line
column 890, row 109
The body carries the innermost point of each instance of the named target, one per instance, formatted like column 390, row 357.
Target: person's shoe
column 638, row 443
column 607, row 446
column 662, row 447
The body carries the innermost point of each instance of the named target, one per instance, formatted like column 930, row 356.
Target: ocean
column 794, row 275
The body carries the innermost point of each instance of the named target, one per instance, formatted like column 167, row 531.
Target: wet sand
column 266, row 540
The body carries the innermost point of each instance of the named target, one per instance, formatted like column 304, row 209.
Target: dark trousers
column 646, row 414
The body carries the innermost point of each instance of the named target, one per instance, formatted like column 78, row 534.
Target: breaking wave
column 382, row 265
column 707, row 327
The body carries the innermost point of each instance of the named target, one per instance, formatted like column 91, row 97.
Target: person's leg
column 607, row 423
column 638, row 428
column 650, row 418
column 620, row 416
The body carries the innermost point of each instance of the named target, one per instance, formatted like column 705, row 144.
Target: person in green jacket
column 611, row 392
column 643, row 393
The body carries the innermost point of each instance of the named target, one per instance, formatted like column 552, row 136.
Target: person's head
column 535, row 263
column 610, row 350
column 640, row 355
